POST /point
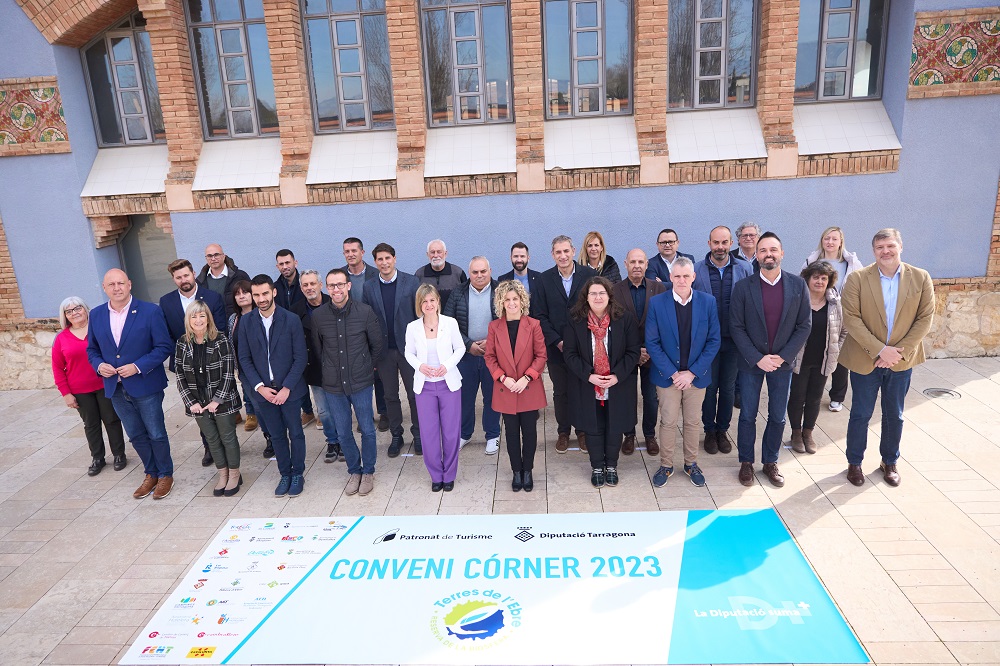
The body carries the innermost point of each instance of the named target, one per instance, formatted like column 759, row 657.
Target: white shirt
column 680, row 300
column 267, row 321
column 390, row 280
column 224, row 273
column 185, row 302
column 776, row 280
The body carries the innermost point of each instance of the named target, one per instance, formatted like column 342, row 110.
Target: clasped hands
column 108, row 370
column 603, row 381
column 432, row 373
column 515, row 385
column 888, row 357
column 200, row 409
column 274, row 397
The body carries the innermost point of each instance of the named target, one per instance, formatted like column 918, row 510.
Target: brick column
column 291, row 90
column 11, row 308
column 650, row 90
column 405, row 57
column 108, row 229
column 993, row 263
column 529, row 93
column 779, row 31
column 175, row 79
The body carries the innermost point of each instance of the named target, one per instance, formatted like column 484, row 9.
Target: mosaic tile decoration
column 960, row 53
column 31, row 117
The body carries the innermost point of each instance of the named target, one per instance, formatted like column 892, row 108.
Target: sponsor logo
column 258, row 539
column 753, row 614
column 524, row 535
column 201, row 583
column 241, row 527
column 292, row 537
column 186, row 602
column 396, row 535
column 213, row 602
column 200, row 652
column 157, row 649
column 268, row 526
column 261, row 553
column 475, row 620
column 223, row 619
column 195, row 619
column 388, row 536
column 203, row 634
column 233, row 539
column 159, row 634
column 207, row 568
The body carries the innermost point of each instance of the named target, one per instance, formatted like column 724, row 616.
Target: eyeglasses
column 337, row 286
column 598, row 294
column 75, row 311
column 751, row 235
column 673, row 242
column 214, row 255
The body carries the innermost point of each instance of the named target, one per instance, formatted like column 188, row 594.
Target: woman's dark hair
column 581, row 309
column 240, row 286
column 820, row 268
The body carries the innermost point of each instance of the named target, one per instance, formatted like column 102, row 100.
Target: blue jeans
column 285, row 424
column 717, row 409
column 324, row 415
column 778, row 384
column 358, row 461
column 865, row 390
column 650, row 403
column 476, row 375
column 143, row 421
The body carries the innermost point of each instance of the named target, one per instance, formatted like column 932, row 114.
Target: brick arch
column 74, row 22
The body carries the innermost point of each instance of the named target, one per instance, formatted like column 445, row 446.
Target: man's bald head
column 215, row 257
column 636, row 263
column 118, row 287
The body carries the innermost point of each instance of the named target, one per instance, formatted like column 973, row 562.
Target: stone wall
column 26, row 357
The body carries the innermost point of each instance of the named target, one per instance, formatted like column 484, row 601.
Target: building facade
column 131, row 134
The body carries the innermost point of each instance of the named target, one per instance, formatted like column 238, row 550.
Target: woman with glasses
column 601, row 346
column 594, row 254
column 81, row 387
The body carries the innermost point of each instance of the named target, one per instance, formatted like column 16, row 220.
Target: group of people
column 696, row 339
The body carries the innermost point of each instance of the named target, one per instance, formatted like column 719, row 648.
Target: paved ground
column 914, row 569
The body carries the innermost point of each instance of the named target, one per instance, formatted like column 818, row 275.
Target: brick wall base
column 708, row 172
column 846, row 164
column 583, row 179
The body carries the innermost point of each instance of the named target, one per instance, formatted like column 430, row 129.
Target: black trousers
column 96, row 409
column 391, row 367
column 838, row 389
column 603, row 445
column 560, row 376
column 804, row 397
column 522, row 439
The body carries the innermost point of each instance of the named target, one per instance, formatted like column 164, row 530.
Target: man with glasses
column 220, row 274
column 746, row 248
column 667, row 245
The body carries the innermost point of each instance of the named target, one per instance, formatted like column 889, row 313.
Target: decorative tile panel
column 31, row 117
column 955, row 53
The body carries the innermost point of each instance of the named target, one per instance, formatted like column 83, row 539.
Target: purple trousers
column 439, row 412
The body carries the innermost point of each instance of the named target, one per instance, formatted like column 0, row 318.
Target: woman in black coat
column 601, row 346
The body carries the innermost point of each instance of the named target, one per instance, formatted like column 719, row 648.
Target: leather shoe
column 395, row 446
column 121, row 462
column 518, row 482
column 711, row 442
column 855, row 475
column 796, row 442
column 581, row 440
column 96, row 466
column 746, row 474
column 773, row 475
column 725, row 444
column 418, row 448
column 652, row 448
column 436, row 486
column 807, row 440
column 448, row 486
column 163, row 486
column 528, row 482
column 628, row 445
column 383, row 423
column 597, row 479
column 146, row 487
column 562, row 444
column 890, row 474
column 207, row 458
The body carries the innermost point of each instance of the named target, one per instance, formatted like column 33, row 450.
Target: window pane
column 468, row 80
column 586, row 43
column 347, row 33
column 316, row 7
column 200, row 11
column 438, row 44
column 373, row 5
column 617, row 55
column 868, row 48
column 254, row 9
column 263, row 82
column 834, row 84
column 228, row 10
column 121, row 49
column 710, row 63
column 739, row 63
column 131, row 102
column 838, row 26
column 807, row 55
column 324, row 81
column 355, row 114
column 836, row 54
column 710, row 35
column 136, row 129
column 344, row 6
column 841, row 4
column 586, row 15
column 709, row 92
column 466, row 53
column 350, row 61
column 99, row 69
column 586, row 73
column 352, row 87
column 242, row 122
column 497, row 62
column 465, row 24
column 236, row 69
column 231, row 42
column 589, row 100
column 149, row 84
column 212, row 96
column 377, row 70
column 239, row 95
column 557, row 58
column 681, row 44
column 711, row 9
column 470, row 108
column 128, row 76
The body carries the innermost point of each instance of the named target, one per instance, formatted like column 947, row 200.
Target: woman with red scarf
column 601, row 346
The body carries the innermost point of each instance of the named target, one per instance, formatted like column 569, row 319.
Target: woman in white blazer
column 434, row 346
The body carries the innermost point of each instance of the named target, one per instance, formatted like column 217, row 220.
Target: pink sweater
column 70, row 367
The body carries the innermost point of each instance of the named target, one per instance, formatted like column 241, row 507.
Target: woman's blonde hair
column 840, row 252
column 199, row 306
column 423, row 291
column 505, row 288
column 584, row 259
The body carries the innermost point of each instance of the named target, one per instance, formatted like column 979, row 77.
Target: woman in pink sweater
column 82, row 388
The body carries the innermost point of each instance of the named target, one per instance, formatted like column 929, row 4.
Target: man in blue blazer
column 770, row 318
column 272, row 353
column 667, row 245
column 519, row 262
column 682, row 339
column 393, row 297
column 127, row 343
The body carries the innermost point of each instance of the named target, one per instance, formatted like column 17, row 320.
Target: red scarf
column 602, row 364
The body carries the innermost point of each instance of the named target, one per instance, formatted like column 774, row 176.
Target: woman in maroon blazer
column 515, row 356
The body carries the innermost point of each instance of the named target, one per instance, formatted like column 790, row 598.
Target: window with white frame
column 122, row 85
column 711, row 54
column 233, row 68
column 349, row 71
column 588, row 57
column 840, row 49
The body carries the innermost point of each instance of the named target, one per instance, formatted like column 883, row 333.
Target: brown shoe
column 746, row 474
column 890, row 474
column 307, row 419
column 251, row 423
column 239, row 418
column 797, row 444
column 652, row 448
column 367, row 484
column 353, row 484
column 711, row 442
column 807, row 440
column 773, row 475
column 855, row 475
column 628, row 445
column 163, row 486
column 581, row 441
column 562, row 444
column 725, row 444
column 147, row 487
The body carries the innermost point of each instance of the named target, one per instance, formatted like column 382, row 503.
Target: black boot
column 207, row 459
column 528, row 482
column 268, row 447
column 517, row 483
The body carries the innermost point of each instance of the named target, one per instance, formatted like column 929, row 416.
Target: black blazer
column 532, row 279
column 406, row 306
column 285, row 347
column 749, row 330
column 623, row 294
column 623, row 353
column 171, row 306
column 550, row 305
column 314, row 367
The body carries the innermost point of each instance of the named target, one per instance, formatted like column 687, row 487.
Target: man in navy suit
column 682, row 339
column 519, row 261
column 273, row 357
column 769, row 320
column 667, row 246
column 393, row 297
column 127, row 344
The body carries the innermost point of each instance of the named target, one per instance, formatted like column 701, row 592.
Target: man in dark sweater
column 445, row 276
column 770, row 318
column 219, row 274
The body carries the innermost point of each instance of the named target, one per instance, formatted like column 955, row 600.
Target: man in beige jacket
column 888, row 308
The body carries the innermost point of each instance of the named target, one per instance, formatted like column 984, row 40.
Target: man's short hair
column 681, row 262
column 383, row 247
column 302, row 274
column 338, row 271
column 888, row 232
column 479, row 257
column 667, row 231
column 747, row 225
column 178, row 264
column 352, row 240
column 521, row 245
column 769, row 234
column 721, row 226
column 284, row 252
column 561, row 238
column 437, row 240
column 262, row 278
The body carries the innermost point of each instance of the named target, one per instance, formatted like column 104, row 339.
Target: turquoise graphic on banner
column 747, row 595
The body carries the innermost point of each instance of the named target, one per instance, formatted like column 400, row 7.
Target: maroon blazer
column 527, row 359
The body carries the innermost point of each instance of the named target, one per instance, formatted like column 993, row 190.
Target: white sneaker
column 836, row 406
column 462, row 442
column 492, row 446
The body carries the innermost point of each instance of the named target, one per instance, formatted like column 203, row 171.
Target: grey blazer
column 406, row 305
column 749, row 330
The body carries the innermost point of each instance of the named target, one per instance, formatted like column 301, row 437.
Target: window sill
column 710, row 136
column 248, row 163
column 128, row 170
column 843, row 127
column 588, row 143
column 471, row 150
column 352, row 157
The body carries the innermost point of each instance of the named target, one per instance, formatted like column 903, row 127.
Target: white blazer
column 449, row 339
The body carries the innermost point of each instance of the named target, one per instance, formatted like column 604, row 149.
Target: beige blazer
column 864, row 318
